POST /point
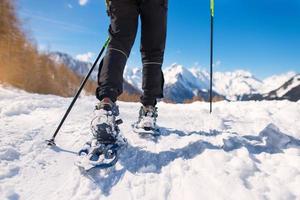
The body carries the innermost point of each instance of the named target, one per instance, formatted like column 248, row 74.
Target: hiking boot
column 104, row 126
column 147, row 118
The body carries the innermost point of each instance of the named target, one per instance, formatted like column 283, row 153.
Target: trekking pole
column 51, row 142
column 212, row 14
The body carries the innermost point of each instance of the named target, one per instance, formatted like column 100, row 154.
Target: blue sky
column 261, row 36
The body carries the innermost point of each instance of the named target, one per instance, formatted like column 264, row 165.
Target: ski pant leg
column 122, row 30
column 153, row 39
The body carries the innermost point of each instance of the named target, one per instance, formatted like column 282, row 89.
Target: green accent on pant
column 212, row 7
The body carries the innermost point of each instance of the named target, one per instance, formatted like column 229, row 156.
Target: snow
column 244, row 150
column 134, row 76
column 275, row 81
column 233, row 84
column 294, row 83
column 229, row 84
column 178, row 73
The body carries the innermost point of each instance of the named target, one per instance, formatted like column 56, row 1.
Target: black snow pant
column 124, row 16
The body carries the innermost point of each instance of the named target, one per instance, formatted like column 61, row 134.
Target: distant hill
column 184, row 84
column 290, row 90
column 81, row 68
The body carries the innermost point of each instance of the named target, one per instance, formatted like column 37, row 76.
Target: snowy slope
column 289, row 90
column 182, row 84
column 233, row 84
column 178, row 73
column 203, row 76
column 275, row 81
column 244, row 150
column 134, row 76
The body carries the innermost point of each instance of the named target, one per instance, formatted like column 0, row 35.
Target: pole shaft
column 80, row 89
column 211, row 52
column 211, row 61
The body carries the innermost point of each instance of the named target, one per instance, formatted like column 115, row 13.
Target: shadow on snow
column 137, row 160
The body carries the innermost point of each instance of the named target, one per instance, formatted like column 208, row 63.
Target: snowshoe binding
column 146, row 124
column 103, row 150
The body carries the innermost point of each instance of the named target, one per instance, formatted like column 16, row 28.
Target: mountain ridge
column 183, row 83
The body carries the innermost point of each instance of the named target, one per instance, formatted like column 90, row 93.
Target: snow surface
column 244, row 150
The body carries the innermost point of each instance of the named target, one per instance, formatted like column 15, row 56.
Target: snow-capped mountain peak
column 133, row 76
column 233, row 84
column 275, row 81
column 292, row 86
column 203, row 76
column 183, row 83
column 179, row 73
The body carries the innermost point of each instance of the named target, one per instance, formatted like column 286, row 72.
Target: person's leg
column 153, row 39
column 124, row 20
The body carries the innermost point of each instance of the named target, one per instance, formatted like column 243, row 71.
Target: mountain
column 234, row 84
column 186, row 83
column 203, row 76
column 81, row 68
column 244, row 150
column 130, row 89
column 275, row 81
column 290, row 90
column 182, row 84
column 134, row 76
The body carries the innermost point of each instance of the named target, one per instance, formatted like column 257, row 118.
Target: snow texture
column 244, row 150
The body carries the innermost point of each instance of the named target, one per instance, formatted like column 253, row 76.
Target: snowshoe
column 99, row 156
column 103, row 150
column 146, row 124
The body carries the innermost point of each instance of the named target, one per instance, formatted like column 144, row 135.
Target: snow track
column 244, row 150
